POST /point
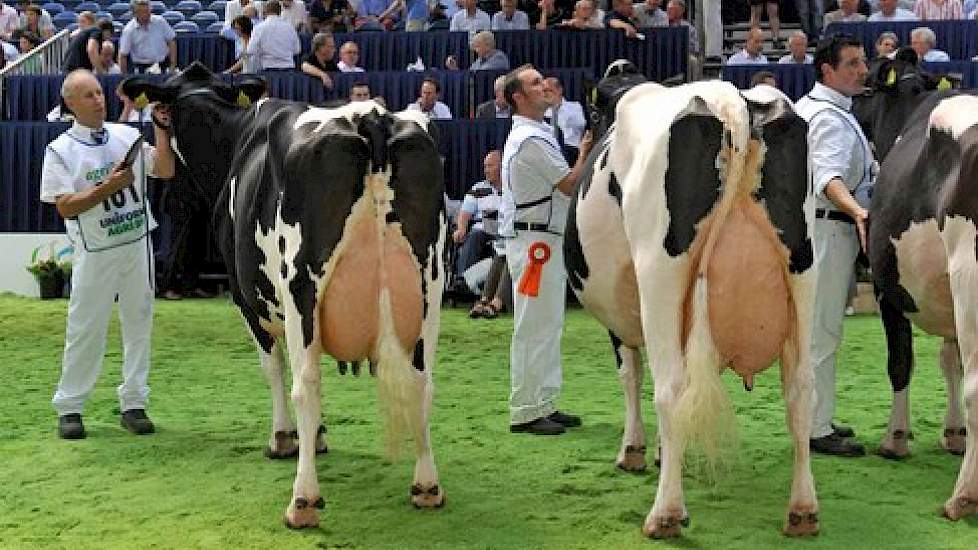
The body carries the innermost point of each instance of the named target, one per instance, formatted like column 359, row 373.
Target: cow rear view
column 706, row 195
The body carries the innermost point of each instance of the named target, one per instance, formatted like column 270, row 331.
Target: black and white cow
column 690, row 236
column 924, row 256
column 331, row 224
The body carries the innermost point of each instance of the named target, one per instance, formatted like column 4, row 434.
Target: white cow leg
column 306, row 376
column 954, row 438
column 799, row 396
column 631, row 456
column 281, row 443
column 964, row 501
column 668, row 514
column 425, row 491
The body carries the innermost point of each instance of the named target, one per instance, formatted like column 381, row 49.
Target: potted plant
column 50, row 271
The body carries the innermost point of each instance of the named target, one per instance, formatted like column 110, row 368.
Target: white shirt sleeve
column 55, row 179
column 830, row 144
column 544, row 162
column 125, row 41
column 470, row 204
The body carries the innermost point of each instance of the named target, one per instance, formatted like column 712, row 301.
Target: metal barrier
column 48, row 58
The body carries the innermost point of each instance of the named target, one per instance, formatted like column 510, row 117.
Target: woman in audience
column 886, row 44
column 246, row 63
column 33, row 23
column 29, row 41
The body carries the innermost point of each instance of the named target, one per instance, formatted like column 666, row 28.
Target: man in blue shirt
column 146, row 40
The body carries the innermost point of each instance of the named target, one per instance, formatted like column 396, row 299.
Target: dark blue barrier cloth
column 967, row 69
column 463, row 144
column 793, row 79
column 958, row 38
column 209, row 48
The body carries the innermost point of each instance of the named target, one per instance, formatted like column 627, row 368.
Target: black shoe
column 70, row 426
column 540, row 426
column 843, row 431
column 565, row 420
column 136, row 421
column 832, row 444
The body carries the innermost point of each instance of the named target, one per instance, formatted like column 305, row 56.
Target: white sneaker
column 850, row 311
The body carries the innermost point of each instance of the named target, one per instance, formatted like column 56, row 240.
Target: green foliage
column 202, row 482
column 51, row 264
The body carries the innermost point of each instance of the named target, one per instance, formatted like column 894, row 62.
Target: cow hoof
column 285, row 446
column 632, row 459
column 668, row 527
column 432, row 497
column 801, row 524
column 896, row 446
column 301, row 514
column 955, row 440
column 959, row 507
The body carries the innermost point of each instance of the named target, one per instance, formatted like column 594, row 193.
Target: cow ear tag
column 538, row 254
column 141, row 101
column 891, row 77
column 243, row 100
column 944, row 84
column 594, row 96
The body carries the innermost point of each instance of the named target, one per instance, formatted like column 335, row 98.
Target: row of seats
column 201, row 20
column 90, row 5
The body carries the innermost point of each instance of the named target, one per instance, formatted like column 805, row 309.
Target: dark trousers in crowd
column 474, row 248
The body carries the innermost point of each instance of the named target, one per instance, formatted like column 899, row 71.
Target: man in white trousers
column 537, row 184
column 103, row 202
column 843, row 172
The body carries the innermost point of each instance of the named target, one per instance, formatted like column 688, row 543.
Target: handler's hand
column 120, row 178
column 458, row 235
column 587, row 140
column 861, row 216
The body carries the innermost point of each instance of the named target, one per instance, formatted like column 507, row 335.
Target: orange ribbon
column 538, row 254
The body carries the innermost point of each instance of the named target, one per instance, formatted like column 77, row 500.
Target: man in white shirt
column 651, row 14
column 234, row 8
column 470, row 18
column 274, row 42
column 848, row 12
column 106, row 55
column 103, row 203
column 566, row 118
column 508, row 18
column 9, row 21
column 890, row 11
column 480, row 207
column 294, row 11
column 751, row 54
column 923, row 41
column 349, row 55
column 146, row 40
column 428, row 102
column 797, row 44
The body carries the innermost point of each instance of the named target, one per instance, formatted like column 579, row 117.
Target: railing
column 47, row 58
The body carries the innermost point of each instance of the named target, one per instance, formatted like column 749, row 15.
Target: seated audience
column 428, row 102
column 890, row 11
column 33, row 20
column 415, row 14
column 294, row 11
column 550, row 15
column 797, row 45
column 487, row 57
column 924, row 42
column 349, row 56
column 508, row 18
column 936, row 10
column 676, row 16
column 83, row 50
column 147, row 40
column 848, row 12
column 329, row 15
column 887, row 44
column 622, row 17
column 496, row 107
column 470, row 18
column 360, row 91
column 585, row 17
column 480, row 208
column 319, row 63
column 751, row 53
column 9, row 22
column 274, row 42
column 375, row 15
column 565, row 117
column 27, row 42
column 107, row 58
column 650, row 14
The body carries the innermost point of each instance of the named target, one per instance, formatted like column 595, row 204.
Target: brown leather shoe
column 832, row 444
column 136, row 421
column 540, row 426
column 565, row 420
column 70, row 426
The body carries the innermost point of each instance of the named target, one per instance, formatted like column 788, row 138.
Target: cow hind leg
column 899, row 366
column 425, row 490
column 306, row 381
column 799, row 395
column 281, row 443
column 954, row 438
column 631, row 456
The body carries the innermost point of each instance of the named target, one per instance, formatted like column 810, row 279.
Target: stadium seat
column 117, row 26
column 72, row 27
column 173, row 17
column 104, row 15
column 188, row 7
column 64, row 19
column 88, row 6
column 54, row 8
column 204, row 18
column 125, row 18
column 218, row 7
column 157, row 7
column 186, row 26
column 214, row 27
column 118, row 8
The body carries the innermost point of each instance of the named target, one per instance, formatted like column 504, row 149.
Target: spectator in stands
column 810, row 15
column 751, row 54
column 319, row 63
column 415, row 14
column 86, row 20
column 27, row 42
column 487, row 57
column 274, row 42
column 508, row 18
column 10, row 52
column 622, row 17
column 428, row 102
column 470, row 18
column 294, row 11
column 84, row 49
column 329, row 15
column 349, row 56
column 765, row 77
column 107, row 58
column 235, row 8
column 251, row 12
column 375, row 15
column 924, row 42
column 32, row 20
column 887, row 44
column 551, row 15
column 772, row 16
column 565, row 117
column 676, row 16
column 360, row 91
column 584, row 17
column 247, row 62
column 480, row 209
column 147, row 39
column 848, row 12
column 496, row 107
column 797, row 44
column 933, row 10
column 650, row 14
column 9, row 21
column 890, row 11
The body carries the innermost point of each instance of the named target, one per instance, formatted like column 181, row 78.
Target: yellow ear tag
column 944, row 84
column 594, row 96
column 891, row 77
column 141, row 101
column 243, row 100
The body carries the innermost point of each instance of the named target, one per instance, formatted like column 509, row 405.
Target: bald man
column 751, row 54
column 103, row 203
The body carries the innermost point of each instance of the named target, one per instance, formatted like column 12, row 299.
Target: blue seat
column 88, row 6
column 157, row 7
column 214, row 27
column 118, row 8
column 72, row 27
column 188, row 7
column 218, row 7
column 204, row 18
column 64, row 19
column 104, row 15
column 54, row 8
column 173, row 17
column 125, row 18
column 186, row 26
column 117, row 26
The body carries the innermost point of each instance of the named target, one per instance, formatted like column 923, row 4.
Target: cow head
column 621, row 76
column 895, row 87
column 203, row 109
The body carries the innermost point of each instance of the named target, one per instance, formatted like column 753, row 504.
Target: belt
column 523, row 226
column 834, row 215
